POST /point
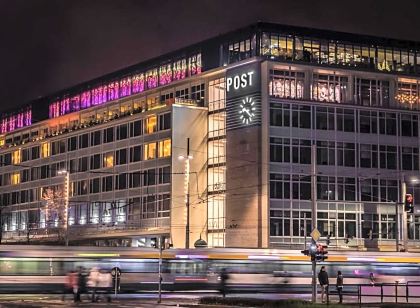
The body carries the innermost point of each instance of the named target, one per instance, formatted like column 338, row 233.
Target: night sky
column 50, row 45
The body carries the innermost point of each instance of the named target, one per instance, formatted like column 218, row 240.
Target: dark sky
column 50, row 45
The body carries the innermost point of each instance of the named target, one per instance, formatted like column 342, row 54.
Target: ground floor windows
column 350, row 224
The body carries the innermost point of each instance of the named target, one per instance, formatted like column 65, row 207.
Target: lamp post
column 66, row 202
column 187, row 159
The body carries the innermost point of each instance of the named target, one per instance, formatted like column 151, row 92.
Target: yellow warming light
column 108, row 160
column 16, row 158
column 45, row 149
column 15, row 178
column 151, row 124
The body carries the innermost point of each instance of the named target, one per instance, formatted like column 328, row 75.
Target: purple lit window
column 75, row 103
column 99, row 95
column 3, row 127
column 113, row 91
column 125, row 87
column 28, row 117
column 152, row 78
column 54, row 110
column 85, row 100
column 165, row 74
column 65, row 106
column 180, row 69
column 19, row 119
column 138, row 83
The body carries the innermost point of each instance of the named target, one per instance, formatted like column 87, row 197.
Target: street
column 172, row 299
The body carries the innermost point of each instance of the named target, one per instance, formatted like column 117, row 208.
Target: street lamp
column 66, row 202
column 187, row 159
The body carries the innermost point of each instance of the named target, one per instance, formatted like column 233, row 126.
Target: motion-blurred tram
column 38, row 269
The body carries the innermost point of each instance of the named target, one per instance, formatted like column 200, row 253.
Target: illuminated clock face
column 247, row 110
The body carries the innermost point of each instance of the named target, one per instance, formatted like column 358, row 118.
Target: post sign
column 243, row 96
column 243, row 80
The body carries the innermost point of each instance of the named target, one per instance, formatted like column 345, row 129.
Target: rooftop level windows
column 286, row 84
column 289, row 47
column 127, row 85
column 408, row 94
column 329, row 88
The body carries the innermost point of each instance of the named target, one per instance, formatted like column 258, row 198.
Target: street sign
column 315, row 234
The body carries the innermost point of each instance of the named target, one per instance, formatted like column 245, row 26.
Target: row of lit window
column 333, row 88
column 160, row 149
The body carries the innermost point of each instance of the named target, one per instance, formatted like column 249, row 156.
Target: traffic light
column 311, row 251
column 409, row 203
column 321, row 253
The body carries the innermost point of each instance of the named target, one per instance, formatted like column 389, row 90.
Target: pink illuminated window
column 99, row 95
column 194, row 65
column 75, row 103
column 85, row 100
column 138, row 83
column 152, row 78
column 17, row 120
column 54, row 110
column 180, row 69
column 165, row 74
column 65, row 106
column 113, row 90
column 125, row 87
column 3, row 127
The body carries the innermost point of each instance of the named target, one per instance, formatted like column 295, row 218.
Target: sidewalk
column 58, row 303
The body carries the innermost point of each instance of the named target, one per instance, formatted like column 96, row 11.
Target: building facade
column 233, row 140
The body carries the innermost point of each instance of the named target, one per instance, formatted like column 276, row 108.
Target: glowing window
column 15, row 178
column 45, row 149
column 151, row 123
column 1, row 142
column 108, row 160
column 165, row 148
column 150, row 151
column 16, row 159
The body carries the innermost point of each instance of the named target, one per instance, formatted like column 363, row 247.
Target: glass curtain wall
column 216, row 163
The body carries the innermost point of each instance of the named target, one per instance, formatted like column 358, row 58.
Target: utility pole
column 314, row 214
column 187, row 192
column 404, row 228
column 160, row 243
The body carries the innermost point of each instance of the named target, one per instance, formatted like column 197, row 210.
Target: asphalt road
column 170, row 299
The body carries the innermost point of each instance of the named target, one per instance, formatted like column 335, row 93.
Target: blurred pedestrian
column 81, row 284
column 372, row 279
column 324, row 282
column 93, row 282
column 104, row 284
column 224, row 276
column 339, row 285
column 70, row 284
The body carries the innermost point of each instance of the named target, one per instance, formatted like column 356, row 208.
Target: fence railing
column 387, row 292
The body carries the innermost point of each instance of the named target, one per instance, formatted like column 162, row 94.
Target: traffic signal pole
column 404, row 228
column 314, row 214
